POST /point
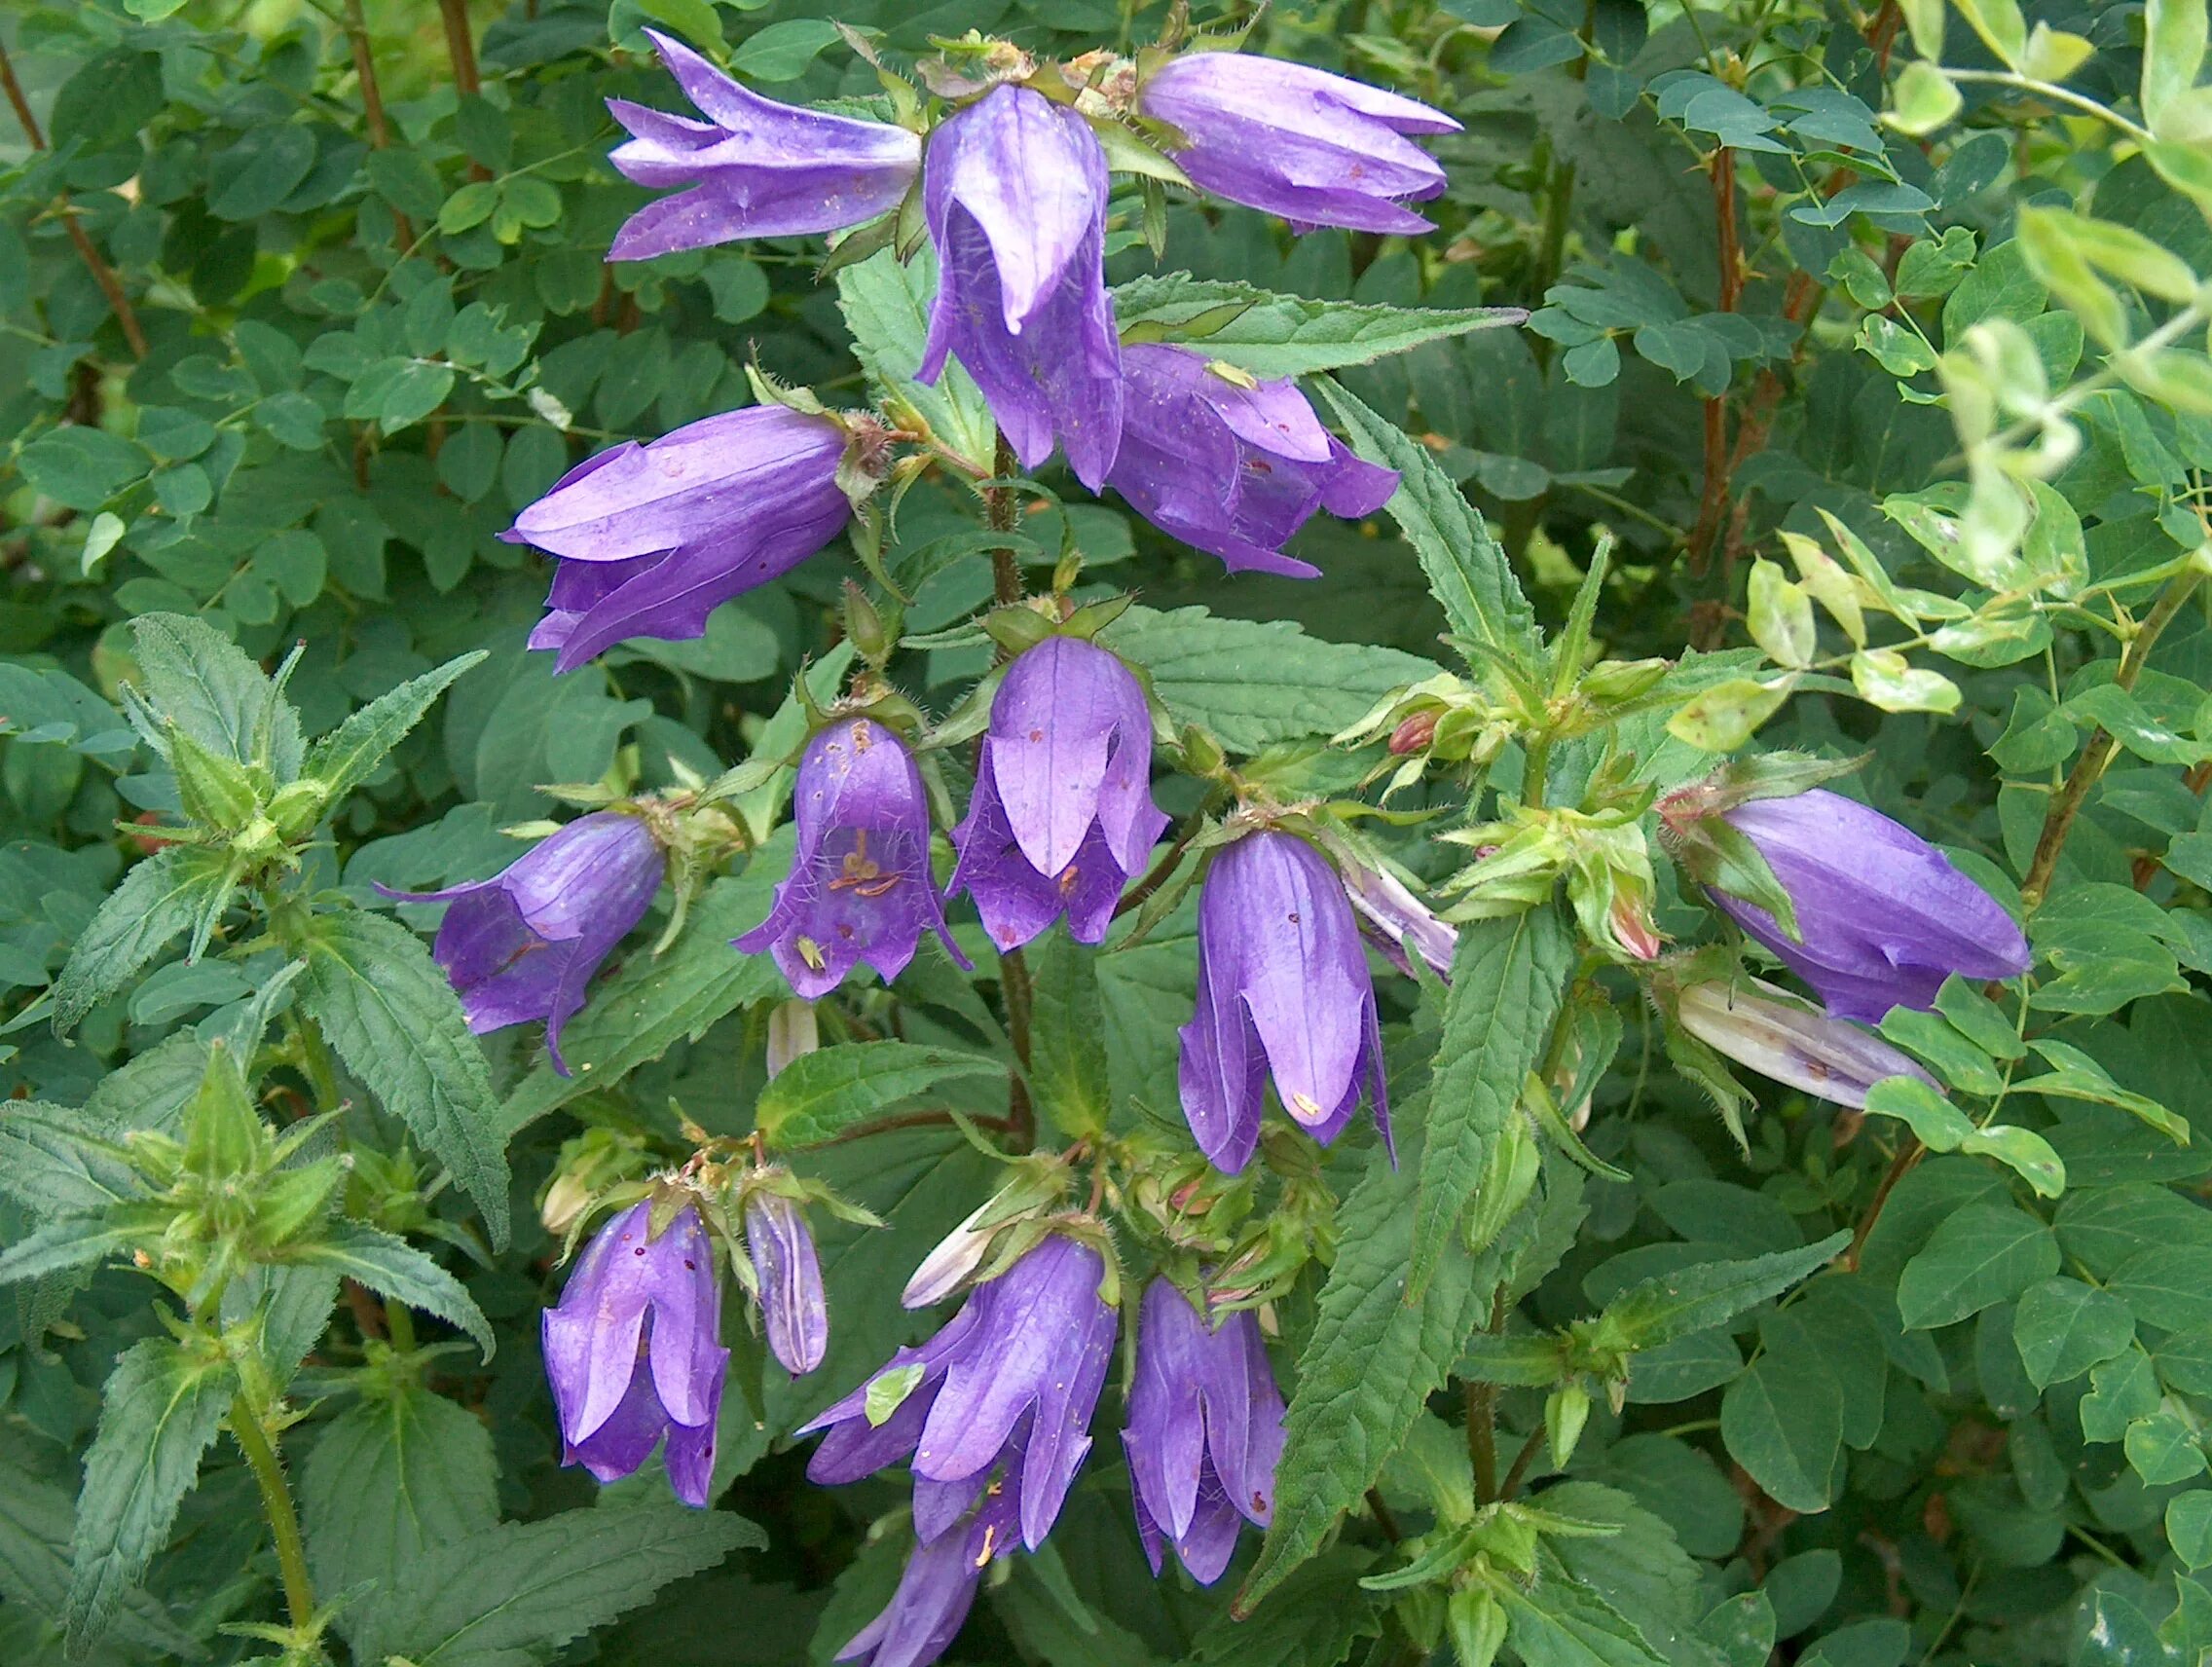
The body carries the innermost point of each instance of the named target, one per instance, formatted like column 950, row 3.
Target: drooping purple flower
column 754, row 168
column 1390, row 916
column 1827, row 1057
column 859, row 887
column 1205, row 1430
column 1296, row 141
column 1006, row 1389
column 794, row 1306
column 522, row 944
column 652, row 539
column 1886, row 916
column 1231, row 466
column 933, row 1595
column 634, row 1351
column 1283, row 990
column 1062, row 812
column 1014, row 191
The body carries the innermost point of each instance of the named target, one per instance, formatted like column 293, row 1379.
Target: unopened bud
column 1415, row 735
column 1632, row 926
column 565, row 1199
column 864, row 626
column 1826, row 1056
column 958, row 1254
column 791, row 1031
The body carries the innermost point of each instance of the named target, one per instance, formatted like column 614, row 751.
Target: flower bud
column 791, row 1031
column 1414, row 734
column 958, row 1254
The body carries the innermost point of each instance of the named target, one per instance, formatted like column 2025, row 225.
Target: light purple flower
column 1014, row 191
column 634, row 1351
column 1282, row 989
column 933, row 1595
column 1232, row 467
column 1391, row 915
column 754, row 167
column 652, row 539
column 1007, row 1388
column 1312, row 147
column 1062, row 812
column 1886, row 916
column 1205, row 1430
column 794, row 1306
column 1827, row 1057
column 859, row 887
column 522, row 944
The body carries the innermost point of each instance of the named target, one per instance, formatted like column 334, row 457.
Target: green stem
column 1533, row 773
column 2089, row 768
column 2056, row 95
column 276, row 1501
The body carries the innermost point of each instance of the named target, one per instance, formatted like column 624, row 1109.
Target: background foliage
column 299, row 303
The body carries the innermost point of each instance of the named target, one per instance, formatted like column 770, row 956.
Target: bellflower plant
column 1206, row 1429
column 1062, row 813
column 1283, row 991
column 521, row 947
column 652, row 539
column 633, row 1354
column 859, row 887
column 754, row 168
column 1885, row 917
column 1232, row 464
column 1006, row 1389
column 1316, row 148
column 793, row 1306
column 1014, row 189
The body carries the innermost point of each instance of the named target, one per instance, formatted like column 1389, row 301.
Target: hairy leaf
column 822, row 1095
column 394, row 1267
column 176, row 890
column 1275, row 335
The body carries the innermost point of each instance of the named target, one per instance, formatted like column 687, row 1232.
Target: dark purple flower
column 1062, row 812
column 522, row 944
column 1282, row 989
column 935, row 1593
column 1231, row 465
column 1313, row 147
column 859, row 887
column 634, row 1351
column 1006, row 1387
column 793, row 1304
column 1205, row 1429
column 1015, row 193
column 1886, row 917
column 655, row 537
column 755, row 169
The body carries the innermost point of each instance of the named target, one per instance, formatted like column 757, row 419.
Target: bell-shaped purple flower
column 754, row 168
column 1015, row 190
column 1006, row 1389
column 1886, row 916
column 859, row 887
column 634, row 1351
column 933, row 1595
column 1232, row 466
column 652, row 539
column 522, row 944
column 794, row 1308
column 1205, row 1430
column 1283, row 990
column 1062, row 812
column 1312, row 147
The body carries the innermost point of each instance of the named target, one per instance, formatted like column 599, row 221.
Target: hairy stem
column 277, row 1502
column 104, row 275
column 2089, row 768
column 1003, row 514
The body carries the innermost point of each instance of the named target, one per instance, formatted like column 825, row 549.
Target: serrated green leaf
column 349, row 754
column 37, row 1524
column 1674, row 1305
column 886, row 306
column 393, row 1268
column 162, row 897
column 1275, row 335
column 386, row 1008
column 1067, row 1037
column 819, row 1095
column 57, row 1161
column 202, row 682
column 159, row 1410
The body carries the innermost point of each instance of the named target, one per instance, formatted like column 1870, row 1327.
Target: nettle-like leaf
column 1284, row 335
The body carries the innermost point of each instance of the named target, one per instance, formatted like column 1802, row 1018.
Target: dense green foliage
column 1862, row 381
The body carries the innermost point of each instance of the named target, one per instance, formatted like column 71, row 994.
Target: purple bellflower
column 933, row 1595
column 522, row 944
column 859, row 887
column 634, row 1351
column 754, row 167
column 1006, row 1387
column 1232, row 466
column 1886, row 916
column 1312, row 147
column 652, row 539
column 794, row 1308
column 1283, row 990
column 1062, row 812
column 1014, row 191
column 1205, row 1430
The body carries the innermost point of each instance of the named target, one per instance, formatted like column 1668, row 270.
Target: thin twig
column 372, row 101
column 460, row 52
column 1521, row 1463
column 1712, row 502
